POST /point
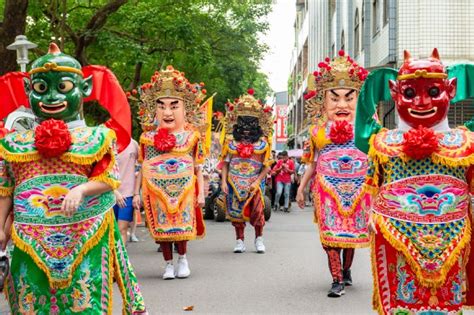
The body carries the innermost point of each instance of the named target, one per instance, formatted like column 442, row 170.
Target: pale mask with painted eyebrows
column 170, row 114
column 340, row 104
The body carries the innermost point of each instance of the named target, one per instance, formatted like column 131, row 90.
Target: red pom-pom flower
column 419, row 143
column 251, row 91
column 52, row 138
column 245, row 150
column 341, row 132
column 164, row 141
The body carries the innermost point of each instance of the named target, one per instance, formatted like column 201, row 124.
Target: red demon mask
column 422, row 91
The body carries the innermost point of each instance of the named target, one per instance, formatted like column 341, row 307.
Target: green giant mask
column 56, row 87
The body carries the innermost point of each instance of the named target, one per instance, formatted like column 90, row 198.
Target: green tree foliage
column 212, row 41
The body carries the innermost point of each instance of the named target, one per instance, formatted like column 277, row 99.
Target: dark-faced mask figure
column 247, row 129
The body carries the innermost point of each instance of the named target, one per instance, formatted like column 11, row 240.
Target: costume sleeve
column 267, row 159
column 106, row 169
column 6, row 180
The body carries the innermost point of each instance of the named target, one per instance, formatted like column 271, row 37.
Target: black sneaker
column 337, row 289
column 346, row 277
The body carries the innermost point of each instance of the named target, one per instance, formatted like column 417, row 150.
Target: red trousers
column 334, row 261
column 167, row 248
column 257, row 220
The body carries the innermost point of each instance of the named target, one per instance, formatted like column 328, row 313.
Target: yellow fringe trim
column 376, row 303
column 91, row 243
column 149, row 220
column 451, row 260
column 336, row 198
column 341, row 244
column 96, row 156
column 190, row 142
column 160, row 195
column 112, row 270
column 381, row 158
column 6, row 191
column 66, row 157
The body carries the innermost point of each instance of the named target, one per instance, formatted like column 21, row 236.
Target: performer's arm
column 136, row 190
column 304, row 181
column 76, row 195
column 200, row 182
column 225, row 171
column 5, row 208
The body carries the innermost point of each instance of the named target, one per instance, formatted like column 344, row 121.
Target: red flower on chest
column 341, row 132
column 245, row 150
column 164, row 141
column 52, row 138
column 419, row 143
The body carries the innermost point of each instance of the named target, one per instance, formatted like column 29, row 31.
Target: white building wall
column 447, row 25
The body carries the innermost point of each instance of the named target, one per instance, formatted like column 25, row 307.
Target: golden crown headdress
column 342, row 72
column 173, row 84
column 248, row 105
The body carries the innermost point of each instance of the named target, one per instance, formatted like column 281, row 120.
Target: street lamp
column 22, row 45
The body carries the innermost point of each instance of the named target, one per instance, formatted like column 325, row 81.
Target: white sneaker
column 239, row 247
column 134, row 238
column 169, row 272
column 183, row 268
column 259, row 246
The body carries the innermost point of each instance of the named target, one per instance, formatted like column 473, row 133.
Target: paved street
column 291, row 278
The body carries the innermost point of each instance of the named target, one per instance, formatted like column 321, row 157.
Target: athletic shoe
column 169, row 272
column 337, row 290
column 239, row 246
column 183, row 268
column 134, row 238
column 259, row 246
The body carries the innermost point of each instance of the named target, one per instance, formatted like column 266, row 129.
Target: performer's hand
column 72, row 201
column 225, row 188
column 300, row 199
column 3, row 240
column 137, row 202
column 254, row 186
column 371, row 225
column 201, row 201
column 120, row 199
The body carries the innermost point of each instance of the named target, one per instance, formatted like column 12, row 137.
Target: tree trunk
column 14, row 23
column 137, row 76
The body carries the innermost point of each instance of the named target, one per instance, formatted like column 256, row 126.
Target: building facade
column 375, row 33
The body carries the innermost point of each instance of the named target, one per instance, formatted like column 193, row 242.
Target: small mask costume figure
column 172, row 155
column 59, row 178
column 420, row 175
column 335, row 166
column 246, row 159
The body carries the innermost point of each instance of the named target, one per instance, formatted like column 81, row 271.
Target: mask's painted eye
column 65, row 86
column 40, row 87
column 433, row 91
column 409, row 93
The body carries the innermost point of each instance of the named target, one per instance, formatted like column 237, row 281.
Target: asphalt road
column 292, row 277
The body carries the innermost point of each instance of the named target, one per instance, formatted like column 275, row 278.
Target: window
column 375, row 17
column 343, row 40
column 385, row 11
column 356, row 33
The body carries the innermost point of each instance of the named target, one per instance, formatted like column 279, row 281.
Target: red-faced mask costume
column 422, row 91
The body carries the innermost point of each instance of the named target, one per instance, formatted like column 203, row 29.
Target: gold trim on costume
column 423, row 74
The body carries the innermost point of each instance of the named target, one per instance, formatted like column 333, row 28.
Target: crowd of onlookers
column 284, row 179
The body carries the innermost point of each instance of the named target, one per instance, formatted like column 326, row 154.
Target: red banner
column 281, row 135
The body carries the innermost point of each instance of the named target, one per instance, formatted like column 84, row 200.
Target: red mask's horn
column 54, row 49
column 406, row 56
column 435, row 54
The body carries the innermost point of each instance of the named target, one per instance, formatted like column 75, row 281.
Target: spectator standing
column 283, row 170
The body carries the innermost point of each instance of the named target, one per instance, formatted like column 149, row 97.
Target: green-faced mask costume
column 65, row 264
column 57, row 86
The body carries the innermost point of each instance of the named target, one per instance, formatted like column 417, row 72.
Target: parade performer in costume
column 58, row 178
column 246, row 159
column 171, row 155
column 420, row 175
column 336, row 166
